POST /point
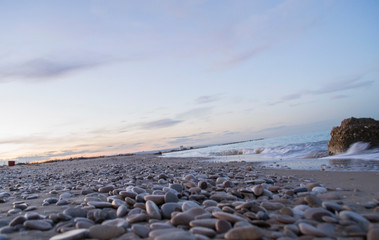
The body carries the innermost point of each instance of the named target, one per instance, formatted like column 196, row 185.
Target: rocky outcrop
column 353, row 130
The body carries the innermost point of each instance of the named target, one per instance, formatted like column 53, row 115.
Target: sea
column 302, row 152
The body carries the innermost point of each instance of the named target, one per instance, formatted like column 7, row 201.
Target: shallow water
column 306, row 152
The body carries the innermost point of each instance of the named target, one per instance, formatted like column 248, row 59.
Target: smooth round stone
column 38, row 225
column 75, row 212
column 188, row 205
column 308, row 229
column 372, row 217
column 202, row 184
column 141, row 217
column 160, row 225
column 207, row 223
column 65, row 195
column 138, row 190
column 118, row 202
column 170, row 197
column 218, row 197
column 62, row 202
column 373, row 234
column 17, row 220
column 272, row 205
column 177, row 187
column 244, row 233
column 30, row 208
column 203, row 231
column 331, row 206
column 119, row 222
column 222, row 226
column 316, row 213
column 228, row 217
column 32, row 196
column 141, row 230
column 349, row 215
column 152, row 210
column 257, row 190
column 122, row 210
column 3, row 237
column 168, row 208
column 106, row 189
column 52, row 200
column 87, row 191
column 171, row 234
column 32, row 215
column 181, row 219
column 319, row 190
column 83, row 224
column 300, row 189
column 209, row 203
column 157, row 199
column 189, row 184
column 105, row 231
column 72, row 235
column 7, row 229
column 126, row 194
column 99, row 204
column 21, row 206
column 286, row 219
column 313, row 201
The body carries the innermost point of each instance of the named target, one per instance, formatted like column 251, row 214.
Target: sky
column 103, row 77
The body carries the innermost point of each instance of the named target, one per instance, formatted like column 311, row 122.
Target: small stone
column 75, row 212
column 76, row 234
column 141, row 230
column 17, row 220
column 170, row 234
column 349, row 215
column 202, row 184
column 152, row 210
column 177, row 187
column 122, row 210
column 286, row 219
column 168, row 208
column 188, row 205
column 203, row 231
column 170, row 197
column 257, row 190
column 313, row 201
column 157, row 199
column 62, row 202
column 208, row 223
column 222, row 226
column 32, row 216
column 331, row 206
column 228, row 217
column 106, row 189
column 99, row 204
column 105, row 231
column 38, row 225
column 244, row 233
column 272, row 205
column 141, row 217
column 316, row 213
column 218, row 197
column 307, row 229
column 319, row 190
column 3, row 237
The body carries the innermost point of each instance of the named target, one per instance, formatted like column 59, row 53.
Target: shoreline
column 31, row 186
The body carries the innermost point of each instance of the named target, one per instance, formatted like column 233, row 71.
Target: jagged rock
column 353, row 130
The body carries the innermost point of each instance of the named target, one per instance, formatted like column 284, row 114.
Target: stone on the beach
column 218, row 197
column 76, row 234
column 188, row 205
column 316, row 213
column 308, row 229
column 152, row 210
column 32, row 215
column 168, row 208
column 177, row 187
column 244, row 233
column 122, row 210
column 171, row 234
column 42, row 225
column 3, row 237
column 141, row 217
column 104, row 232
column 319, row 190
column 208, row 223
column 373, row 234
column 257, row 190
column 228, row 217
column 203, row 231
column 75, row 212
column 272, row 205
column 100, row 204
column 332, row 206
column 349, row 215
column 222, row 226
column 170, row 197
column 157, row 199
column 106, row 189
column 17, row 220
column 141, row 230
column 353, row 130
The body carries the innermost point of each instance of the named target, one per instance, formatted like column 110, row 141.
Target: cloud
column 195, row 113
column 194, row 138
column 350, row 83
column 45, row 69
column 206, row 99
column 162, row 123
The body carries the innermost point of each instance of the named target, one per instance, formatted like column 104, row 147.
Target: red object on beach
column 11, row 163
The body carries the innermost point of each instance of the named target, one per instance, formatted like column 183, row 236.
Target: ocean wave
column 358, row 150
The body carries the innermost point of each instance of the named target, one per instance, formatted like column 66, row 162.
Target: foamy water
column 307, row 151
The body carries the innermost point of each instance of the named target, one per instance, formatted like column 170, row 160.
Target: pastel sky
column 94, row 77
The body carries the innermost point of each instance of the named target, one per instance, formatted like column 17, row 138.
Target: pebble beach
column 148, row 197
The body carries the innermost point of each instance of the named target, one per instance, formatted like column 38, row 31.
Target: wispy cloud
column 195, row 113
column 189, row 139
column 350, row 83
column 206, row 99
column 46, row 68
column 161, row 123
